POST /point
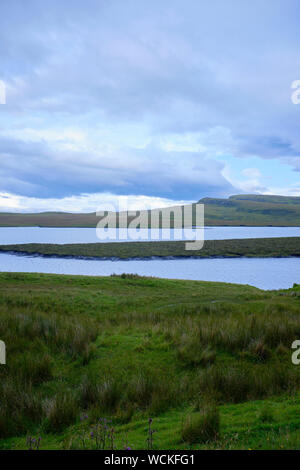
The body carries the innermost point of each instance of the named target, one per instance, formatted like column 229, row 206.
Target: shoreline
column 135, row 258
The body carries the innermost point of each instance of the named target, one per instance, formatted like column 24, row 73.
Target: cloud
column 146, row 98
column 83, row 203
column 252, row 173
column 284, row 191
column 46, row 172
column 249, row 181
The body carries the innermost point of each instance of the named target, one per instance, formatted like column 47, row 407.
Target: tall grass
column 239, row 383
column 144, row 391
column 35, row 341
column 232, row 329
column 61, row 411
column 125, row 346
column 203, row 426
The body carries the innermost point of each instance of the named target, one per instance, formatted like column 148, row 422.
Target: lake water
column 14, row 235
column 268, row 273
column 265, row 273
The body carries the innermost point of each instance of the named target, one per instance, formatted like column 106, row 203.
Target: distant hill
column 238, row 210
column 251, row 209
column 48, row 219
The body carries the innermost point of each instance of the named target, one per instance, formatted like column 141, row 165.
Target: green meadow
column 91, row 359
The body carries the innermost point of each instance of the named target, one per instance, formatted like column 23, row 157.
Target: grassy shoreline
column 254, row 247
column 126, row 348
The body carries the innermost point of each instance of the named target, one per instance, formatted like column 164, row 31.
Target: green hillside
column 252, row 210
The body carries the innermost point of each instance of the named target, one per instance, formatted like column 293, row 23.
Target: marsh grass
column 239, row 383
column 129, row 348
column 266, row 415
column 236, row 248
column 20, row 409
column 35, row 342
column 202, row 427
column 61, row 411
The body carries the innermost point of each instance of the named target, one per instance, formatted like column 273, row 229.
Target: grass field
column 209, row 363
column 255, row 247
column 246, row 210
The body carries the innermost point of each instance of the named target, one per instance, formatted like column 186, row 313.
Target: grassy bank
column 256, row 247
column 210, row 363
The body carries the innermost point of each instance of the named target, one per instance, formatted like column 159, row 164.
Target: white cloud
column 249, row 182
column 50, row 135
column 252, row 173
column 82, row 203
column 10, row 202
column 293, row 190
column 214, row 141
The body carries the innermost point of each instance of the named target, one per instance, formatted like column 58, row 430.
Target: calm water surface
column 14, row 235
column 265, row 273
column 271, row 273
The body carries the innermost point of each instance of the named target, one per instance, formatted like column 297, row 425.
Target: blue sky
column 160, row 101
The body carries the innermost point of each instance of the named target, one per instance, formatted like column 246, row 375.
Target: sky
column 159, row 102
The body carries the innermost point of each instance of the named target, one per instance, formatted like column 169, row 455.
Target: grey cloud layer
column 44, row 172
column 175, row 66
